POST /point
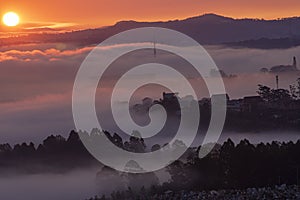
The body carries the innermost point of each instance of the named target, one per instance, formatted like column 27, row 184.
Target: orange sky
column 92, row 13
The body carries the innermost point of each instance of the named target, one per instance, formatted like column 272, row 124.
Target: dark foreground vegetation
column 228, row 172
column 242, row 171
column 56, row 154
column 277, row 192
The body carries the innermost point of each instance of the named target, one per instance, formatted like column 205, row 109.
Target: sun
column 11, row 19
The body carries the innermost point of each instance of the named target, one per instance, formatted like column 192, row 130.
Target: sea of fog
column 39, row 106
column 75, row 185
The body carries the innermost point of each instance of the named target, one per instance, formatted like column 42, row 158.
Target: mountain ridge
column 206, row 29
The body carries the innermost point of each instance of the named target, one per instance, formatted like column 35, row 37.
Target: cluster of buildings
column 249, row 104
column 246, row 104
column 282, row 68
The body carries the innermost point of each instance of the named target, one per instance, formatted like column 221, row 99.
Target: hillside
column 206, row 29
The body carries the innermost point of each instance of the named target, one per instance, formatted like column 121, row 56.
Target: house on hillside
column 251, row 103
column 285, row 68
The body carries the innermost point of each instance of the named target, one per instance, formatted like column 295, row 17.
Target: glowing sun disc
column 11, row 19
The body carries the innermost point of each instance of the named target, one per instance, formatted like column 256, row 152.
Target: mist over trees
column 229, row 166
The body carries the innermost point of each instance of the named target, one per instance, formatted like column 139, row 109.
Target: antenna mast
column 154, row 44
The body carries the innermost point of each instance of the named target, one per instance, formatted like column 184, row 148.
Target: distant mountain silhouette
column 206, row 29
column 266, row 43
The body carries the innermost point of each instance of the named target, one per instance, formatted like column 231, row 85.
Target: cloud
column 24, row 29
column 55, row 26
column 244, row 60
column 75, row 185
column 51, row 54
column 36, row 83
